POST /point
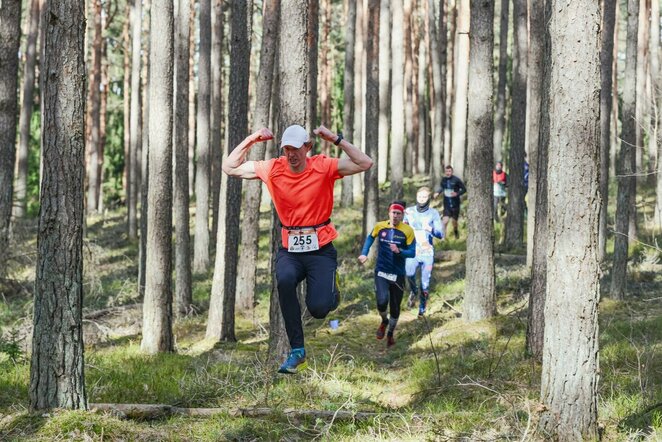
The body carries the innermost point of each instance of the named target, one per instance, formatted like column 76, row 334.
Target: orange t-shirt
column 302, row 199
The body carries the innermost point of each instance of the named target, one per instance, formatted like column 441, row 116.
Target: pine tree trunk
column 216, row 138
column 183, row 279
column 144, row 157
column 438, row 88
column 250, row 228
column 135, row 118
column 347, row 196
column 514, row 229
column 569, row 385
column 408, row 89
column 371, row 198
column 26, row 109
column 656, row 72
column 220, row 325
column 606, row 73
column 459, row 135
column 450, row 84
column 480, row 291
column 384, row 89
column 422, row 128
column 203, row 159
column 500, row 112
column 94, row 112
column 535, row 332
column 359, row 89
column 10, row 37
column 312, row 44
column 57, row 377
column 626, row 163
column 192, row 126
column 126, row 107
column 534, row 85
column 655, row 83
column 397, row 102
column 157, row 307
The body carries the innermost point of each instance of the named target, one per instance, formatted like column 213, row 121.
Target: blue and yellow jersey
column 402, row 236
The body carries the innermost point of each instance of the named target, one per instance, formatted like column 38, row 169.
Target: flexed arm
column 356, row 161
column 235, row 164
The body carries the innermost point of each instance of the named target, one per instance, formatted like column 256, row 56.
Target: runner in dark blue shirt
column 453, row 188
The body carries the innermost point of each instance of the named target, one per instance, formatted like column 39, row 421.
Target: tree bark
column 144, row 157
column 384, row 89
column 347, row 196
column 183, row 278
column 93, row 142
column 359, row 89
column 220, row 325
column 500, row 112
column 656, row 69
column 606, row 73
column 10, row 37
column 135, row 118
column 371, row 198
column 409, row 147
column 438, row 92
column 203, row 167
column 626, row 163
column 192, row 126
column 569, row 384
column 126, row 107
column 450, row 84
column 216, row 124
column 157, row 307
column 397, row 102
column 459, row 135
column 27, row 105
column 312, row 41
column 57, row 378
column 514, row 231
column 250, row 228
column 480, row 291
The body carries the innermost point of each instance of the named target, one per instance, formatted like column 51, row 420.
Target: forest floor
column 443, row 380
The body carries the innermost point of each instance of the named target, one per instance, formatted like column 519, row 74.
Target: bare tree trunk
column 535, row 332
column 250, row 228
column 656, row 67
column 359, row 87
column 408, row 89
column 157, row 307
column 534, row 86
column 569, row 386
column 450, row 84
column 626, row 162
column 103, row 103
column 217, row 119
column 144, row 157
column 126, row 107
column 500, row 112
column 423, row 84
column 220, row 325
column 183, row 281
column 654, row 83
column 459, row 135
column 191, row 102
column 26, row 108
column 371, row 198
column 397, row 102
column 10, row 37
column 384, row 90
column 312, row 43
column 325, row 68
column 347, row 196
column 480, row 291
column 606, row 73
column 57, row 378
column 135, row 118
column 203, row 166
column 514, row 231
column 642, row 96
column 438, row 88
column 93, row 118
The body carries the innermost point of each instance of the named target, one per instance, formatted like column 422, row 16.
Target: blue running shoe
column 295, row 362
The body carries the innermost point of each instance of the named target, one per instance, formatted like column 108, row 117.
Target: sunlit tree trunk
column 217, row 119
column 93, row 144
column 157, row 307
column 384, row 89
column 626, row 160
column 347, row 196
column 569, row 385
column 10, row 37
column 57, row 378
column 191, row 102
column 408, row 87
column 480, row 291
column 359, row 89
column 203, row 159
column 126, row 106
column 459, row 135
column 27, row 105
column 371, row 198
column 135, row 131
column 450, row 76
column 312, row 44
column 656, row 68
column 514, row 231
column 500, row 111
column 144, row 156
column 438, row 92
column 606, row 73
column 220, row 325
column 253, row 188
column 397, row 102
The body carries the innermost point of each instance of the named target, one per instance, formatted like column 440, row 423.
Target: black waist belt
column 325, row 223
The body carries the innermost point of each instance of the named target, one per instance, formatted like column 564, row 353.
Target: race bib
column 388, row 276
column 423, row 246
column 448, row 193
column 304, row 240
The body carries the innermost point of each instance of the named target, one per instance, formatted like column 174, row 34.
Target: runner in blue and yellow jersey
column 427, row 225
column 396, row 242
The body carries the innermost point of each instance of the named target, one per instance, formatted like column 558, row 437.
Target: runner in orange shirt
column 301, row 188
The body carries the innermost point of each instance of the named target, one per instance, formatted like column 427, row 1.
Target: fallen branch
column 158, row 411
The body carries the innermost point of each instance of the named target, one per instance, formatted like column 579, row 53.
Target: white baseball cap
column 295, row 136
